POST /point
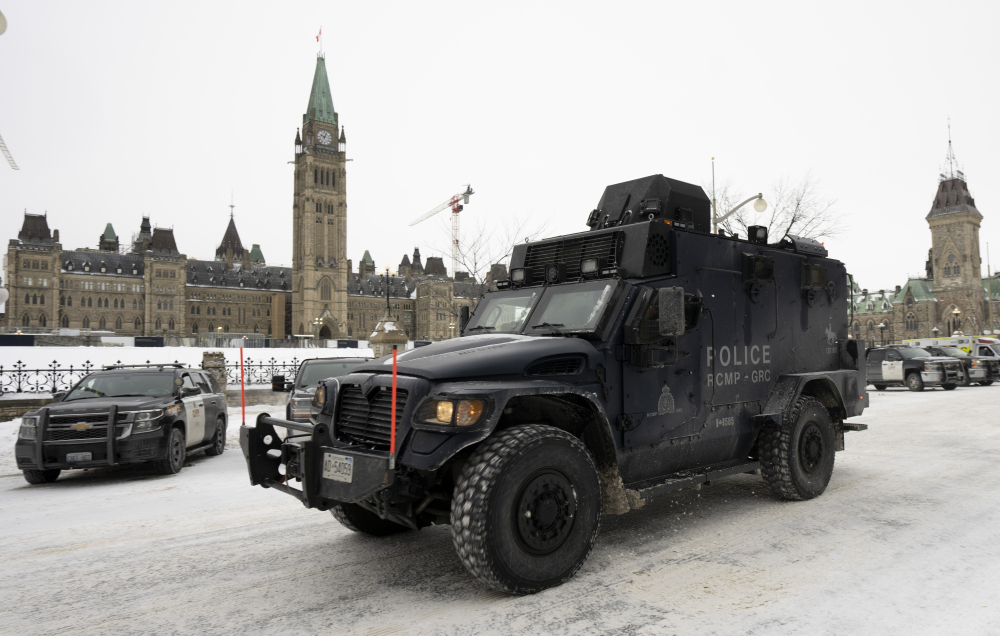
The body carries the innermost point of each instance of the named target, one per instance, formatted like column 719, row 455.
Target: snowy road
column 905, row 540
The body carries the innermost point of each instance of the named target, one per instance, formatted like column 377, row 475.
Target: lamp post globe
column 760, row 205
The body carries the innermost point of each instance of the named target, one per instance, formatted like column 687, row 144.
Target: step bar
column 650, row 490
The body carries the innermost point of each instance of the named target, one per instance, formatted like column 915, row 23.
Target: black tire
column 949, row 387
column 173, row 461
column 880, row 387
column 914, row 382
column 966, row 380
column 523, row 470
column 796, row 460
column 34, row 476
column 986, row 382
column 219, row 439
column 355, row 518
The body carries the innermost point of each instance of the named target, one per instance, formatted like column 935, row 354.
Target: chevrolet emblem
column 81, row 426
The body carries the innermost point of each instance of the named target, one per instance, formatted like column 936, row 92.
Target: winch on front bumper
column 329, row 474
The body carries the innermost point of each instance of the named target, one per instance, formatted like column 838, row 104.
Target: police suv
column 911, row 367
column 981, row 369
column 124, row 414
column 615, row 366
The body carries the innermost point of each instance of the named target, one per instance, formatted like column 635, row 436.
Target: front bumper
column 941, row 376
column 299, row 459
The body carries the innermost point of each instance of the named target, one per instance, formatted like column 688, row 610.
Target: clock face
column 324, row 137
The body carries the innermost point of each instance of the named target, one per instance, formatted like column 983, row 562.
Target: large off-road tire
column 880, row 387
column 173, row 461
column 526, row 509
column 914, row 382
column 219, row 439
column 355, row 518
column 34, row 476
column 986, row 382
column 796, row 459
column 949, row 387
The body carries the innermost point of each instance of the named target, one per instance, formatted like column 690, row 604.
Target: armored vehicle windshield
column 574, row 307
column 503, row 312
column 101, row 385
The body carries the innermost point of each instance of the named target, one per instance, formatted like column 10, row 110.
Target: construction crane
column 455, row 203
column 3, row 146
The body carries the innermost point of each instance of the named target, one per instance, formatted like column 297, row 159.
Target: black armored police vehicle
column 616, row 365
column 124, row 414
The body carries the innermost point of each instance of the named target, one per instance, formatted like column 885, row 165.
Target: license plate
column 78, row 457
column 338, row 467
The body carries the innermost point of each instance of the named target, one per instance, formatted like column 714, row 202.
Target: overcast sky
column 115, row 110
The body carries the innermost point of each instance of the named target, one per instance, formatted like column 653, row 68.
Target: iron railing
column 260, row 372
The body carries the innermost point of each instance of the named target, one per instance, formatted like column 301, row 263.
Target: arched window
column 103, row 323
column 27, row 299
column 911, row 322
column 116, row 303
column 138, row 324
column 255, row 329
column 211, row 327
column 69, row 301
column 34, row 299
column 909, row 301
column 194, row 328
column 64, row 321
column 333, row 179
column 170, row 325
column 118, row 322
column 226, row 328
column 158, row 324
column 315, row 175
column 86, row 322
column 324, row 290
column 62, row 301
column 192, row 310
column 947, row 270
column 134, row 303
column 26, row 321
column 857, row 330
column 158, row 305
column 41, row 320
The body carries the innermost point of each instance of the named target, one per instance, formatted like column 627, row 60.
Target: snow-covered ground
column 906, row 540
column 41, row 357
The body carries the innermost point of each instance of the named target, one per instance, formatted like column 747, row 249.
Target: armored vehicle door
column 874, row 363
column 663, row 413
column 892, row 366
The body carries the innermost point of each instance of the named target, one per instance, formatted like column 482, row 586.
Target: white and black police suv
column 124, row 414
column 615, row 366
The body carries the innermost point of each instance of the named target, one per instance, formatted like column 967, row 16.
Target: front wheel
column 880, row 387
column 914, row 382
column 526, row 509
column 949, row 387
column 33, row 476
column 796, row 459
column 219, row 439
column 172, row 463
column 986, row 382
column 355, row 518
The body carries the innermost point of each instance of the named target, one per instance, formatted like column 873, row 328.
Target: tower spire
column 951, row 164
column 231, row 205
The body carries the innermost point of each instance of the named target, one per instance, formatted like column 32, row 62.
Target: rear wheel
column 355, row 518
column 880, row 387
column 986, row 382
column 796, row 459
column 219, row 439
column 33, row 476
column 526, row 509
column 949, row 387
column 172, row 463
column 914, row 382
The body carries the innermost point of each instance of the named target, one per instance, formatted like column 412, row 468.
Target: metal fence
column 260, row 371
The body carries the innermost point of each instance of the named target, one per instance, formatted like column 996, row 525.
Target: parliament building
column 146, row 286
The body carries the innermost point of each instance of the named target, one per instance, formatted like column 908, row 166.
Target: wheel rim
column 220, row 436
column 544, row 511
column 913, row 380
column 811, row 449
column 176, row 449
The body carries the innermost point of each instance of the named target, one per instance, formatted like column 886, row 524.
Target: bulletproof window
column 813, row 276
column 757, row 267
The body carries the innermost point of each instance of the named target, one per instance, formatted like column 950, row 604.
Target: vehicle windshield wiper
column 554, row 326
column 478, row 327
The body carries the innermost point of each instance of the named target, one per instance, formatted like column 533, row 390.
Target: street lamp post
column 387, row 280
column 451, row 329
column 882, row 328
column 956, row 324
column 759, row 206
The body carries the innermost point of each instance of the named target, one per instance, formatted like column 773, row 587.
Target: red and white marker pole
column 243, row 397
column 392, row 432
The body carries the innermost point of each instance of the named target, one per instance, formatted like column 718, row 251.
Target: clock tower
column 319, row 217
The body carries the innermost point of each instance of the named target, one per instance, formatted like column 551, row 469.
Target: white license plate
column 78, row 457
column 338, row 467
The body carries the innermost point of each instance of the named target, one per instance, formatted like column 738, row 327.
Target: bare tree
column 794, row 206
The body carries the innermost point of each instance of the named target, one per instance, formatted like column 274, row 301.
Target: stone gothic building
column 952, row 295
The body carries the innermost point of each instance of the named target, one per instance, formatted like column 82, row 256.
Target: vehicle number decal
column 338, row 467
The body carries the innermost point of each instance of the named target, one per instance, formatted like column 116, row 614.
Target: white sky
column 113, row 110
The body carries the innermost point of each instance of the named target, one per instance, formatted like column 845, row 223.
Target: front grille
column 89, row 418
column 62, row 433
column 368, row 421
column 556, row 366
column 572, row 251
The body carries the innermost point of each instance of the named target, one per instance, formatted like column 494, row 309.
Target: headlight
column 304, row 407
column 29, row 428
column 977, row 363
column 145, row 421
column 319, row 397
column 452, row 412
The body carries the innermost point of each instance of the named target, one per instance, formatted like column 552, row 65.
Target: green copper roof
column 320, row 98
column 920, row 288
column 109, row 233
column 255, row 254
column 367, row 258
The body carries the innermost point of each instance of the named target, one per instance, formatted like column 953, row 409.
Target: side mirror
column 463, row 318
column 671, row 300
column 58, row 396
column 278, row 383
column 189, row 391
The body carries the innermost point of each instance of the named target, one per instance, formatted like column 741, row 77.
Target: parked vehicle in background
column 983, row 346
column 123, row 415
column 911, row 367
column 981, row 369
column 299, row 406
